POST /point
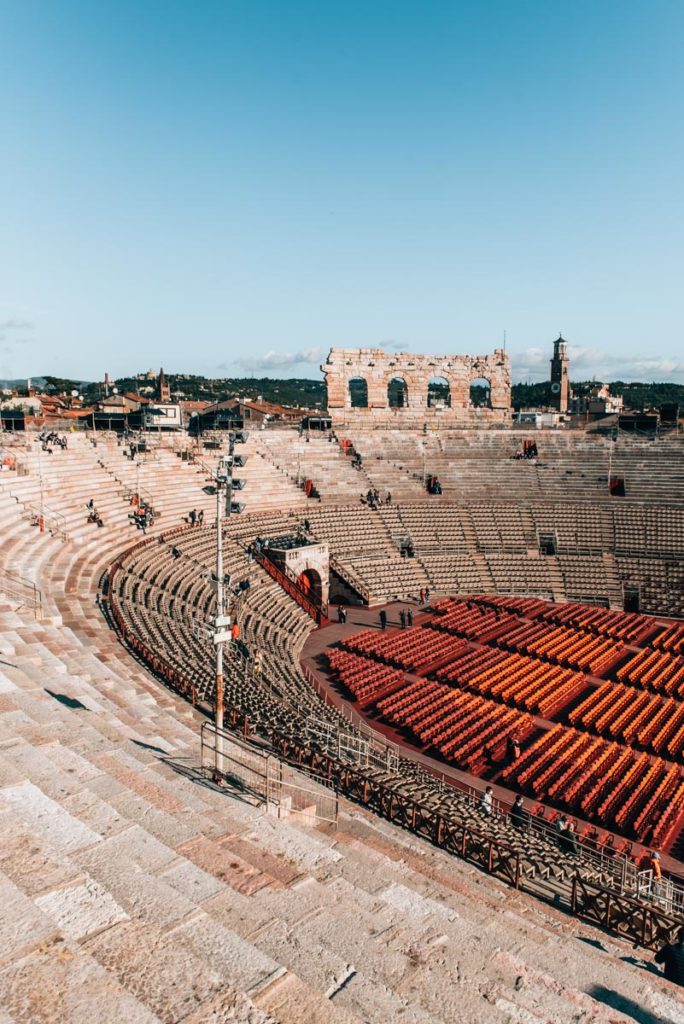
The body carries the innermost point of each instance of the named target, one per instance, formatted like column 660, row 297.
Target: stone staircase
column 135, row 891
column 143, row 894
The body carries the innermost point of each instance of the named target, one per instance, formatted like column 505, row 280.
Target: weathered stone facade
column 377, row 368
column 308, row 559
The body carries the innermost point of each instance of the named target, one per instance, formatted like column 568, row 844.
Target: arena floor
column 590, row 826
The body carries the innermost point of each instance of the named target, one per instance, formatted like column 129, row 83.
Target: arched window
column 439, row 393
column 481, row 393
column 358, row 393
column 397, row 393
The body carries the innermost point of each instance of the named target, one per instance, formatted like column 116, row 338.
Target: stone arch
column 311, row 584
column 377, row 368
column 358, row 392
column 480, row 393
column 397, row 392
column 438, row 392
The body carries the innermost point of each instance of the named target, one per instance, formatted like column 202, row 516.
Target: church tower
column 560, row 382
column 163, row 387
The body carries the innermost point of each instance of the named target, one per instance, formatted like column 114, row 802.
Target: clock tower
column 560, row 383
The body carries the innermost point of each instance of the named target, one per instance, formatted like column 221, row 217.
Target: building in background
column 560, row 380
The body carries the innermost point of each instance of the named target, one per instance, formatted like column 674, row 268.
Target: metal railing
column 18, row 589
column 663, row 893
column 263, row 777
column 291, row 587
column 44, row 517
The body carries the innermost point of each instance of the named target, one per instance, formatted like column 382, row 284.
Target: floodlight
column 236, row 507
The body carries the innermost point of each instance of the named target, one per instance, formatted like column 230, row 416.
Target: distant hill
column 293, row 391
column 301, row 392
column 636, row 395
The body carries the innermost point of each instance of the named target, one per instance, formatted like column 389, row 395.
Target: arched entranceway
column 439, row 393
column 358, row 393
column 309, row 582
column 397, row 393
column 481, row 393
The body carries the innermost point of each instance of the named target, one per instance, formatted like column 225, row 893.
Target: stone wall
column 377, row 368
column 310, row 557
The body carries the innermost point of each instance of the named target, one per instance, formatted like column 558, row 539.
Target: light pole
column 225, row 484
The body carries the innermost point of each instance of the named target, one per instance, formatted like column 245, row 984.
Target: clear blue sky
column 233, row 187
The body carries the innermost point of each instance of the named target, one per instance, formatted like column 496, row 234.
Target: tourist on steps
column 518, row 813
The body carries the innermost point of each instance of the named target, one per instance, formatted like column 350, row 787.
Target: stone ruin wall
column 378, row 367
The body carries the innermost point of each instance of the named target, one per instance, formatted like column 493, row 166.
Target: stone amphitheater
column 139, row 890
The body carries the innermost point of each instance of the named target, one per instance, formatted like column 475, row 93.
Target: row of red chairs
column 655, row 670
column 467, row 618
column 625, row 626
column 410, row 649
column 466, row 729
column 367, row 680
column 669, row 819
column 661, row 795
column 613, row 783
column 411, row 697
column 515, row 679
column 583, row 651
column 671, row 639
column 651, row 721
column 527, row 607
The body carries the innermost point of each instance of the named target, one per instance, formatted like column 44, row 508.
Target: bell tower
column 163, row 388
column 560, row 382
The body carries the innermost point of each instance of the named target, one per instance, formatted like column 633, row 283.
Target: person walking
column 340, row 613
column 421, row 596
column 671, row 956
column 383, row 619
column 487, row 802
column 200, row 517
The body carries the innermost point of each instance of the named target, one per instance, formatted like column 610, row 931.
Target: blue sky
column 234, row 187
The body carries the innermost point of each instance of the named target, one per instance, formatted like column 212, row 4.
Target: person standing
column 427, row 595
column 518, row 813
column 409, row 618
column 487, row 802
column 512, row 748
column 402, row 618
column 383, row 619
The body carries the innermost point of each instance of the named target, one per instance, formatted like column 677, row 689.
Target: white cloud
column 16, row 325
column 588, row 363
column 273, row 360
column 390, row 345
